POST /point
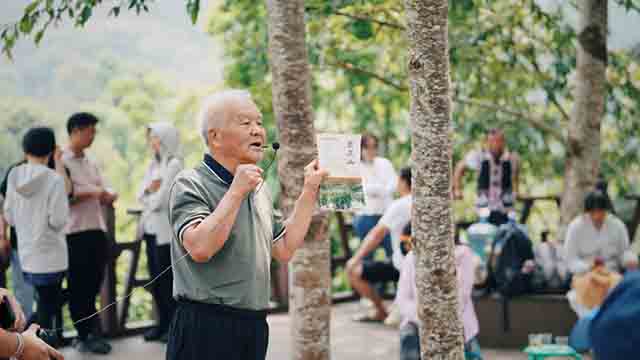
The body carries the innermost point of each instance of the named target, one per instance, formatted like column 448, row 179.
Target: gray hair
column 211, row 114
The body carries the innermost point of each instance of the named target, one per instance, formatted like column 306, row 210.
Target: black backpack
column 505, row 268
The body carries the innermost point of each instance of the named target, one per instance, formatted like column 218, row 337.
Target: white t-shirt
column 380, row 181
column 584, row 242
column 397, row 216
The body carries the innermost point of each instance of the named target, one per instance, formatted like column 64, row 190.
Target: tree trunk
column 441, row 334
column 583, row 143
column 310, row 278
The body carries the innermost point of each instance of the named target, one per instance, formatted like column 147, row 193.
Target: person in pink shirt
column 406, row 300
column 86, row 232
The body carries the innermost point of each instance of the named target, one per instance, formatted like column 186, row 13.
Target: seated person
column 406, row 300
column 598, row 234
column 597, row 247
column 363, row 274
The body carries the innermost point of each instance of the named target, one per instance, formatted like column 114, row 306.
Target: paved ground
column 349, row 341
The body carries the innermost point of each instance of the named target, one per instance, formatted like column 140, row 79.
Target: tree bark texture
column 441, row 333
column 310, row 278
column 582, row 164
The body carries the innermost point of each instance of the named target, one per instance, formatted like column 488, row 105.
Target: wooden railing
column 114, row 319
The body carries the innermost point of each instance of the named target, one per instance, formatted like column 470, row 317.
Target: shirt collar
column 218, row 170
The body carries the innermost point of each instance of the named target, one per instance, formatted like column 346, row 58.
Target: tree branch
column 536, row 122
column 350, row 67
column 375, row 21
column 553, row 98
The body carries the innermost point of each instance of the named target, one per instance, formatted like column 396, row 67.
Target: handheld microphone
column 275, row 146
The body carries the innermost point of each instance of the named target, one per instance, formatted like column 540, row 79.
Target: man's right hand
column 246, row 178
column 35, row 348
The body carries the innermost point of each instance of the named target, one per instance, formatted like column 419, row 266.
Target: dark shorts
column 202, row 331
column 498, row 218
column 379, row 271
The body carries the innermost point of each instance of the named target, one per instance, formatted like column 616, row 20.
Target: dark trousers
column 159, row 259
column 498, row 218
column 87, row 260
column 202, row 331
column 49, row 312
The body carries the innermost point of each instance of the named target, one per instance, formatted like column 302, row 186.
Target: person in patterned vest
column 497, row 183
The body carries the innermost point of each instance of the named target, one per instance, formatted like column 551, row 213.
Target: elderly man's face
column 242, row 137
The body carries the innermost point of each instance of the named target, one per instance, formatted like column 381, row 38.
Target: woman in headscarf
column 167, row 162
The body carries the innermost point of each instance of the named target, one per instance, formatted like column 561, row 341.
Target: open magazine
column 343, row 190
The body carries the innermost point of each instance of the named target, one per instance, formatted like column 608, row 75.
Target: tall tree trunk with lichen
column 441, row 333
column 309, row 291
column 582, row 164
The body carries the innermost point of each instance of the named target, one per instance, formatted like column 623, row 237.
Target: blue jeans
column 409, row 342
column 24, row 292
column 472, row 350
column 362, row 224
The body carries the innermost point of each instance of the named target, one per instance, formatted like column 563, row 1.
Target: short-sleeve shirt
column 85, row 176
column 395, row 218
column 238, row 275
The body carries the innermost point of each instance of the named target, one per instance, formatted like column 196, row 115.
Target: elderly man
column 227, row 231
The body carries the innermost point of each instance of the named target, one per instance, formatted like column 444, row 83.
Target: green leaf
column 31, row 7
column 26, row 24
column 85, row 15
column 193, row 8
column 115, row 11
column 39, row 36
column 361, row 29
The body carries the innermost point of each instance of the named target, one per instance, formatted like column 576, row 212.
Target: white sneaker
column 366, row 304
column 394, row 318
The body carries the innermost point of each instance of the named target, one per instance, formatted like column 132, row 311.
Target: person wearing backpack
column 511, row 261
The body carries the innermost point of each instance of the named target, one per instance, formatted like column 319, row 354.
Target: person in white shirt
column 598, row 234
column 363, row 274
column 597, row 237
column 167, row 162
column 379, row 178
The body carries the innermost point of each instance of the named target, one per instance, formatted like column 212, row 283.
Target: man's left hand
column 313, row 176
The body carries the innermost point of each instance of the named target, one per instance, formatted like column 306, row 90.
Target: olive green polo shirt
column 238, row 275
